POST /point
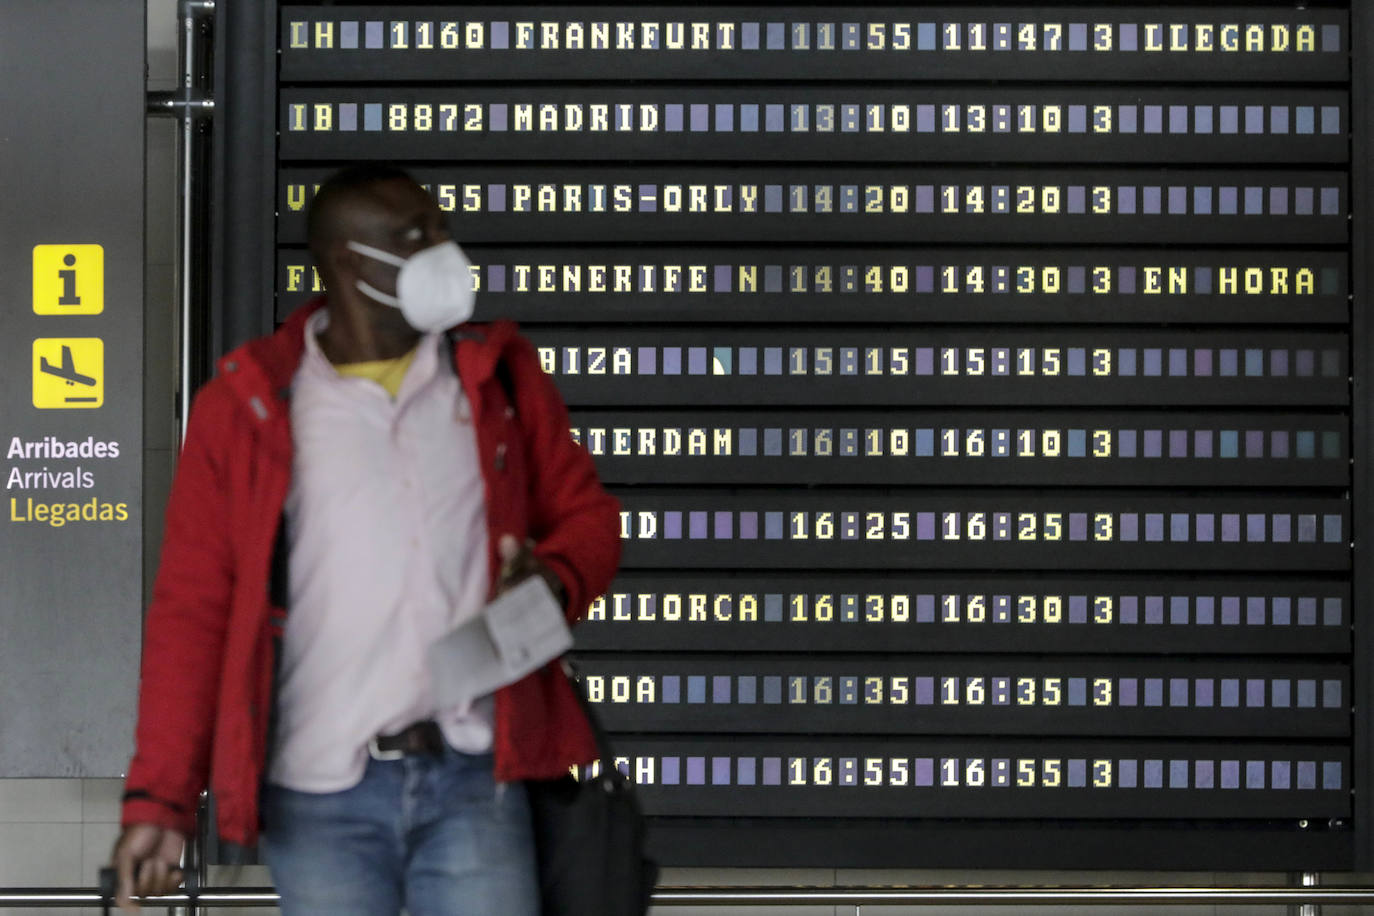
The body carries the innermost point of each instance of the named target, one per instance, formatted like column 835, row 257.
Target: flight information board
column 976, row 382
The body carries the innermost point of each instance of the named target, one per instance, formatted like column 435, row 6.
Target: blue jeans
column 435, row 835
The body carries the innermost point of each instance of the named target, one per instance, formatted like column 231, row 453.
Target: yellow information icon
column 68, row 373
column 68, row 279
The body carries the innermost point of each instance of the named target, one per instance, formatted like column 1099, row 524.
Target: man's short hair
column 344, row 186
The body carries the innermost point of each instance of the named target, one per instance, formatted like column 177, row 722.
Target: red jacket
column 208, row 652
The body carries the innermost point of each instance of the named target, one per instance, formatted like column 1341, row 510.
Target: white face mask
column 433, row 289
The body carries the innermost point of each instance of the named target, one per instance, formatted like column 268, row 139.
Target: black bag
column 589, row 835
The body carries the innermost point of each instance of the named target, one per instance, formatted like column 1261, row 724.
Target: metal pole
column 193, row 862
column 187, row 104
column 798, row 896
column 1362, row 404
column 1310, row 879
column 1010, row 896
column 190, row 857
column 184, row 163
column 188, row 11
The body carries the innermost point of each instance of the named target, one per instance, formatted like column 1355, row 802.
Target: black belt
column 420, row 738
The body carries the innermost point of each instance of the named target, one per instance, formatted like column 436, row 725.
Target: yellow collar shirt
column 388, row 551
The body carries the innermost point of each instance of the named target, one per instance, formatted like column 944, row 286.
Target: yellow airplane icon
column 68, row 372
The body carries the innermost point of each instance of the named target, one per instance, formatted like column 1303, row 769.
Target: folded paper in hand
column 518, row 632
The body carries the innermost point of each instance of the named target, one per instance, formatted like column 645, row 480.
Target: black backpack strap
column 506, row 380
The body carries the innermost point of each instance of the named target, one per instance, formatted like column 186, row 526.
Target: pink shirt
column 387, row 525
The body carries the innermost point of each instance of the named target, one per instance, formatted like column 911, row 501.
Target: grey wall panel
column 71, row 567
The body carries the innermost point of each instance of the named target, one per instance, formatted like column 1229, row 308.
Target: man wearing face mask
column 352, row 487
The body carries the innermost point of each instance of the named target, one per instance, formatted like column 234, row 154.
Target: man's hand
column 518, row 563
column 147, row 862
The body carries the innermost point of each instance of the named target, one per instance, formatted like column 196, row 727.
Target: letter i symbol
column 68, row 279
column 69, row 296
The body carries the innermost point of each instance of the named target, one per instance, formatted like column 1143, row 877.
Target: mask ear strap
column 376, row 254
column 367, row 289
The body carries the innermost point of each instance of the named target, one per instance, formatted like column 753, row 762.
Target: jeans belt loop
column 376, row 753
